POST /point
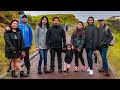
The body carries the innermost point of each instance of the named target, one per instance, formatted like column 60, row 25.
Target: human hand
column 79, row 49
column 8, row 28
column 37, row 49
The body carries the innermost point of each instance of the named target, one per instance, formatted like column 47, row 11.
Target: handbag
column 22, row 55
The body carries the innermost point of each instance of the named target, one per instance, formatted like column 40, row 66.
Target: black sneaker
column 14, row 74
column 28, row 71
column 22, row 74
column 39, row 71
column 102, row 70
column 107, row 72
column 60, row 70
column 51, row 70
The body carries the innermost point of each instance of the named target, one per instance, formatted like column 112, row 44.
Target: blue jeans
column 43, row 56
column 89, row 58
column 103, row 53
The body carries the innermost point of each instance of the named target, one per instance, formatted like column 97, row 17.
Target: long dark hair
column 70, row 47
column 79, row 33
column 11, row 24
column 47, row 24
column 89, row 18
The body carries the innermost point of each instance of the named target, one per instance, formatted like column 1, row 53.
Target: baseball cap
column 101, row 19
column 24, row 16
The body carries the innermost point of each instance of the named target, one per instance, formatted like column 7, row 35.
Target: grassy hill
column 7, row 16
column 113, row 51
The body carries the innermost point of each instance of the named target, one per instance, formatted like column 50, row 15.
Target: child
column 68, row 57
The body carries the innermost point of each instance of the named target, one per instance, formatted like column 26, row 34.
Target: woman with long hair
column 41, row 30
column 14, row 47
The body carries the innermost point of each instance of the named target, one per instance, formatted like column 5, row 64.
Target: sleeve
column 95, row 38
column 72, row 39
column 64, row 38
column 37, row 36
column 31, row 35
column 48, row 38
column 8, row 42
column 110, row 37
column 83, row 41
column 21, row 42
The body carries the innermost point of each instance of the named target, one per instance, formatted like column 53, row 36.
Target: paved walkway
column 56, row 75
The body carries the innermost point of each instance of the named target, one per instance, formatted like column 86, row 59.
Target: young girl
column 78, row 41
column 68, row 57
column 41, row 46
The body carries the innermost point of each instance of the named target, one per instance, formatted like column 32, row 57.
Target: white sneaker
column 91, row 72
column 88, row 69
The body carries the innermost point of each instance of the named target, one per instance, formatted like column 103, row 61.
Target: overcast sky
column 81, row 15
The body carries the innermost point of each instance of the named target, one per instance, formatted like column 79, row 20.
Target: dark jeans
column 52, row 52
column 89, row 58
column 43, row 56
column 79, row 55
column 26, row 58
column 103, row 53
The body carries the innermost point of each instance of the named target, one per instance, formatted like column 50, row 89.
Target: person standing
column 104, row 39
column 90, row 42
column 66, row 26
column 78, row 42
column 56, row 40
column 27, row 36
column 41, row 30
column 14, row 47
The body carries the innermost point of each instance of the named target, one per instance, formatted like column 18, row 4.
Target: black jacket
column 10, row 41
column 55, row 37
column 104, row 37
column 78, row 40
column 91, row 37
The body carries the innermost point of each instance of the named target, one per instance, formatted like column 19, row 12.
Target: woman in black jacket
column 14, row 46
column 78, row 41
column 90, row 42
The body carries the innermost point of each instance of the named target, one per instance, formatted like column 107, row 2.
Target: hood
column 20, row 22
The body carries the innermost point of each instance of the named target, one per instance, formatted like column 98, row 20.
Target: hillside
column 7, row 16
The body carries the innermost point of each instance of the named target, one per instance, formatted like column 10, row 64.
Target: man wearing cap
column 104, row 38
column 27, row 35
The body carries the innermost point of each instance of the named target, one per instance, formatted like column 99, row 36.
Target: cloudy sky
column 81, row 15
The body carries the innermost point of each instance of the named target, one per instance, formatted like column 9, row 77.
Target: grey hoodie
column 41, row 37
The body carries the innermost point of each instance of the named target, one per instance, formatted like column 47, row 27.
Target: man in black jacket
column 104, row 39
column 56, row 40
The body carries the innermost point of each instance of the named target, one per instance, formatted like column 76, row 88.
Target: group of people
column 18, row 38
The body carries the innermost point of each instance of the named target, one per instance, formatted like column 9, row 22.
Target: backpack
column 113, row 40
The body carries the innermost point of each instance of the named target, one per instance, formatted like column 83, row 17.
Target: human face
column 24, row 19
column 68, row 48
column 90, row 21
column 44, row 21
column 14, row 25
column 79, row 26
column 56, row 22
column 101, row 23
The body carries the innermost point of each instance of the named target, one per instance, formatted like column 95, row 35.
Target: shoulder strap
column 106, row 28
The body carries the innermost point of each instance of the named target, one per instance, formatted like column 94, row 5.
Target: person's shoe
column 83, row 68
column 102, row 70
column 88, row 69
column 91, row 72
column 76, row 69
column 9, row 69
column 60, row 70
column 28, row 71
column 107, row 72
column 39, row 71
column 14, row 74
column 22, row 74
column 51, row 70
column 67, row 70
column 45, row 69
